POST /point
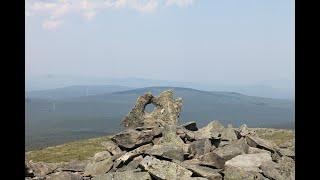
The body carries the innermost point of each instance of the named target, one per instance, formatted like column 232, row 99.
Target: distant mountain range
column 281, row 88
column 69, row 116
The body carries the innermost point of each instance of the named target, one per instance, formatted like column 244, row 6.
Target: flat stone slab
column 162, row 169
column 249, row 162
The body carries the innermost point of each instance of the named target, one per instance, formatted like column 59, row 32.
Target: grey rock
column 99, row 156
column 285, row 152
column 75, row 166
column 257, row 142
column 164, row 169
column 125, row 175
column 211, row 159
column 229, row 134
column 98, row 168
column 249, row 162
column 234, row 149
column 111, row 147
column 200, row 147
column 213, row 130
column 131, row 138
column 132, row 165
column 64, row 176
column 203, row 171
column 41, row 169
column 235, row 173
column 167, row 110
column 168, row 151
column 131, row 154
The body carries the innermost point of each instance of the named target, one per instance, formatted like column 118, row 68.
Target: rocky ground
column 155, row 146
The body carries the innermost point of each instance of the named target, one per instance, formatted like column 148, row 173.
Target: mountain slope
column 75, row 91
column 48, row 120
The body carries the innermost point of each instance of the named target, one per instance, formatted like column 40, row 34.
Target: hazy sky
column 181, row 40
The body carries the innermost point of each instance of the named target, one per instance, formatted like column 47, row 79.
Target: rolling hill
column 51, row 122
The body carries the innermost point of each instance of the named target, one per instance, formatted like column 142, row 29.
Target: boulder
column 132, row 165
column 168, row 151
column 234, row 149
column 211, row 159
column 212, row 130
column 111, row 147
column 271, row 170
column 257, row 142
column 285, row 152
column 203, row 171
column 249, row 162
column 75, row 166
column 229, row 134
column 65, row 176
column 167, row 111
column 98, row 168
column 130, row 155
column 235, row 173
column 99, row 156
column 127, row 175
column 243, row 131
column 162, row 169
column 41, row 169
column 130, row 139
column 200, row 147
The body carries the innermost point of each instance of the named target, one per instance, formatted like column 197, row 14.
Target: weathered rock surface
column 167, row 110
column 229, row 151
column 235, row 173
column 98, row 168
column 249, row 162
column 257, row 142
column 125, row 175
column 111, row 147
column 164, row 169
column 213, row 130
column 64, row 176
column 200, row 147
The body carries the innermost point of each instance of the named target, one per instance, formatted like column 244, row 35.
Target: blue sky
column 216, row 41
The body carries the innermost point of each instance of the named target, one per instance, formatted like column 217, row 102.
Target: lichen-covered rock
column 111, row 147
column 235, row 173
column 98, row 168
column 200, row 147
column 234, row 149
column 124, row 175
column 75, row 166
column 99, row 156
column 203, row 171
column 166, row 111
column 131, row 138
column 228, row 134
column 213, row 130
column 257, row 142
column 285, row 152
column 132, row 165
column 41, row 169
column 64, row 176
column 168, row 151
column 131, row 154
column 212, row 159
column 284, row 170
column 162, row 169
column 249, row 162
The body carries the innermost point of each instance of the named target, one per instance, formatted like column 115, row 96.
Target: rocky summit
column 155, row 146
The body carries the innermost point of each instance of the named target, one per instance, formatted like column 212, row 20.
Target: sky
column 221, row 41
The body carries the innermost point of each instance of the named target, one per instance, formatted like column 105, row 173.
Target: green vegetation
column 278, row 136
column 78, row 150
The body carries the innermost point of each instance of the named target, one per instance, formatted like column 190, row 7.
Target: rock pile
column 155, row 146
